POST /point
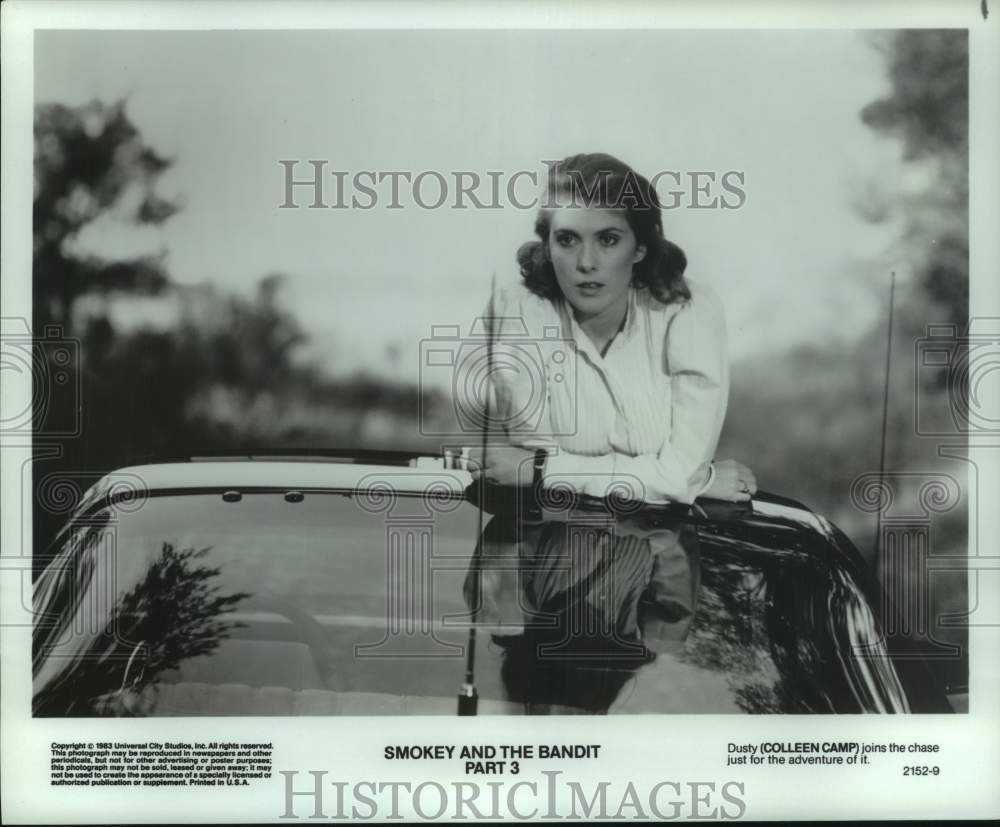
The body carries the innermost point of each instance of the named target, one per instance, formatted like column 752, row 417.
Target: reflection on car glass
column 194, row 606
column 579, row 605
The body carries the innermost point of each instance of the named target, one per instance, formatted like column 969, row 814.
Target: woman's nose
column 587, row 261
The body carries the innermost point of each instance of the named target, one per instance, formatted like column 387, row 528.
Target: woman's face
column 592, row 252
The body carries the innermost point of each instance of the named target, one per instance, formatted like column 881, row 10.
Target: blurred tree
column 250, row 343
column 809, row 420
column 221, row 378
column 87, row 160
column 227, row 374
column 928, row 105
column 927, row 108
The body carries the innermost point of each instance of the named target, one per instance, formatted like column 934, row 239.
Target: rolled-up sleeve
column 697, row 368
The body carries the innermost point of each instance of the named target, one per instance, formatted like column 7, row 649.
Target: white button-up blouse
column 641, row 420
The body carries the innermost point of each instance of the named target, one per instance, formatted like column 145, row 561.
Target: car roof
column 285, row 473
column 407, row 474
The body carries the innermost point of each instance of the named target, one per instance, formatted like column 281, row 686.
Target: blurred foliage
column 809, row 421
column 928, row 105
column 226, row 374
column 927, row 109
column 176, row 585
column 89, row 160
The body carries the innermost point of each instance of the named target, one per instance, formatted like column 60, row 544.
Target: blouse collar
column 573, row 331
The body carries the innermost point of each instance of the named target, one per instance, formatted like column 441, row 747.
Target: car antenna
column 468, row 697
column 885, row 423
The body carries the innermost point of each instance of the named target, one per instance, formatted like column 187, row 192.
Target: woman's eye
column 609, row 240
column 564, row 240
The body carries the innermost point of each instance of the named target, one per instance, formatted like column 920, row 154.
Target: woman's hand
column 502, row 464
column 732, row 481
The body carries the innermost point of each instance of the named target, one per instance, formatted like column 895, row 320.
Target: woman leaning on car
column 627, row 400
column 640, row 401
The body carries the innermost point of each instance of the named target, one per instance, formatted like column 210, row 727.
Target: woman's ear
column 640, row 254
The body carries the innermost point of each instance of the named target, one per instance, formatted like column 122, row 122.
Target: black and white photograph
column 604, row 384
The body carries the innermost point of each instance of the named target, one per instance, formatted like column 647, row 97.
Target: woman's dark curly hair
column 605, row 182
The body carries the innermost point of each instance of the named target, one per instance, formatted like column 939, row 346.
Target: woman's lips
column 589, row 288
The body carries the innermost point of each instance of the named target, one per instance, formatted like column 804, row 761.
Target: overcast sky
column 780, row 107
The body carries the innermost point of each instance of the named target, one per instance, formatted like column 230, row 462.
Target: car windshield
column 280, row 603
